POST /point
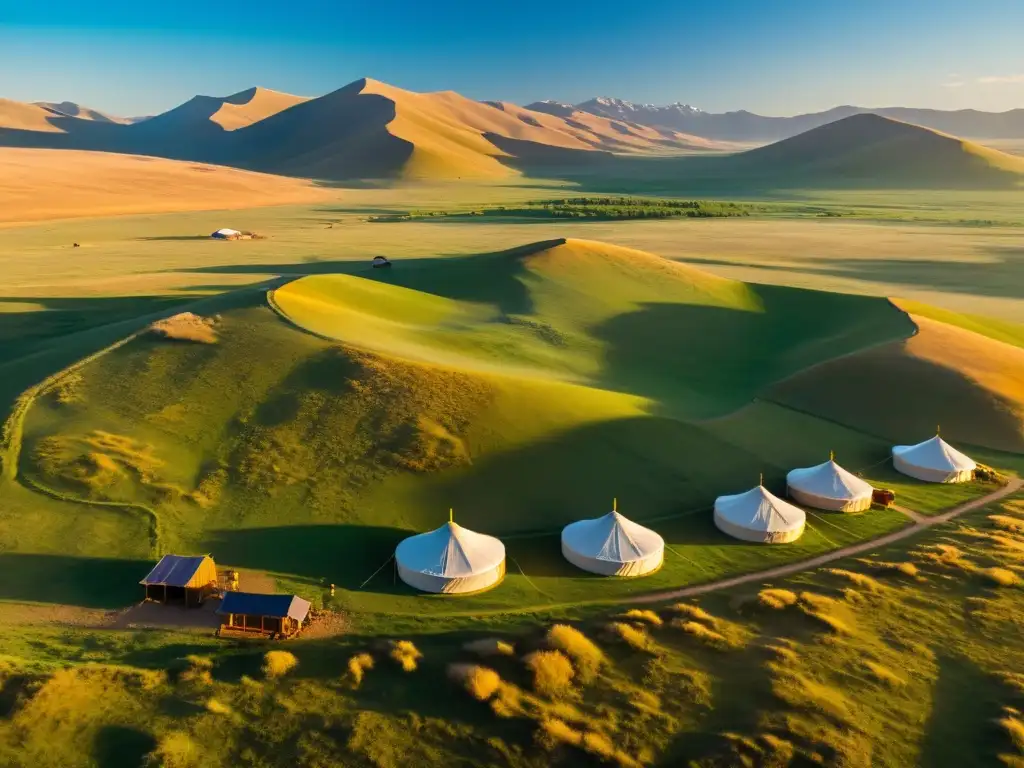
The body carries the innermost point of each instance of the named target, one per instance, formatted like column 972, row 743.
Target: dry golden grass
column 782, row 653
column 1014, row 727
column 186, row 326
column 278, row 663
column 507, row 701
column 702, row 633
column 632, row 636
column 198, row 671
column 861, row 580
column 107, row 184
column 1001, row 577
column 586, row 657
column 175, row 750
column 217, row 707
column 358, row 665
column 552, row 672
column 884, row 675
column 643, row 616
column 1014, row 680
column 1007, row 523
column 405, row 654
column 777, row 599
column 490, row 646
column 479, row 682
column 696, row 613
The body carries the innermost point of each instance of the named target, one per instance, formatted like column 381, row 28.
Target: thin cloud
column 1001, row 79
column 953, row 84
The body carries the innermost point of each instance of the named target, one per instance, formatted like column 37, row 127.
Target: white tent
column 758, row 515
column 612, row 545
column 934, row 461
column 226, row 234
column 829, row 486
column 451, row 559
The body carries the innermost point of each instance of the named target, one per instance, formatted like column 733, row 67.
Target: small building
column 271, row 615
column 178, row 579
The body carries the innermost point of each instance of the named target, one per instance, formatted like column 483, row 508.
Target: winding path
column 922, row 523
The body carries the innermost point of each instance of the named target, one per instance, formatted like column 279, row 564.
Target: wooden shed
column 178, row 579
column 281, row 615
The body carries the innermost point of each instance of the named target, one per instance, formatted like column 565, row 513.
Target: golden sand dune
column 40, row 184
column 897, row 389
column 28, row 117
column 370, row 128
column 604, row 133
column 228, row 113
column 71, row 109
column 871, row 148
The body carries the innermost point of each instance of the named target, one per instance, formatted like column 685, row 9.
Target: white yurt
column 829, row 486
column 758, row 515
column 451, row 559
column 612, row 545
column 934, row 461
column 226, row 234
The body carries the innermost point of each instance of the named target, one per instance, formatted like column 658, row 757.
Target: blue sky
column 779, row 57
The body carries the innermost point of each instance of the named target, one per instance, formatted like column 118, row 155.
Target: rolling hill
column 524, row 388
column 870, row 150
column 975, row 381
column 105, row 184
column 71, row 109
column 366, row 129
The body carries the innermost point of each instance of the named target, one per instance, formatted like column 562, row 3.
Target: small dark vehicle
column 380, row 261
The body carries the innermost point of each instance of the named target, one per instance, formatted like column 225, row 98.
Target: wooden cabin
column 178, row 579
column 271, row 615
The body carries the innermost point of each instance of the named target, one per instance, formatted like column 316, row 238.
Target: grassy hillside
column 865, row 664
column 588, row 369
column 941, row 365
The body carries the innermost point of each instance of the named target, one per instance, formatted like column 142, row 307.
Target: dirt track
column 854, row 549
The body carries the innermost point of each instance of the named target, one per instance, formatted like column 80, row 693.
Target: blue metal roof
column 277, row 606
column 174, row 570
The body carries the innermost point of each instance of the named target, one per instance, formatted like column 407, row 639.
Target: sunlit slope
column 870, row 149
column 525, row 388
column 589, row 312
column 370, row 128
column 101, row 183
column 970, row 383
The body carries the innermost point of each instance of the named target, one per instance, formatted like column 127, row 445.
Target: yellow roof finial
column 451, row 515
column 831, row 455
column 615, row 505
column 760, row 479
column 938, row 429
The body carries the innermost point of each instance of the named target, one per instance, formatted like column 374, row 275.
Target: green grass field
column 525, row 391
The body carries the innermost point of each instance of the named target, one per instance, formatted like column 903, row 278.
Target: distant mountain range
column 369, row 129
column 746, row 126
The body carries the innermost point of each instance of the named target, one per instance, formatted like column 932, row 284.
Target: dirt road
column 921, row 524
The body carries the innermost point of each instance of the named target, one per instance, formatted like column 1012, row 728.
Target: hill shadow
column 345, row 554
column 961, row 728
column 657, row 467
column 120, row 746
column 701, row 361
column 489, row 278
column 88, row 582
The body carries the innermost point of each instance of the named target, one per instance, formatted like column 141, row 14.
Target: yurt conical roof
column 451, row 559
column 829, row 486
column 934, row 461
column 758, row 515
column 612, row 545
